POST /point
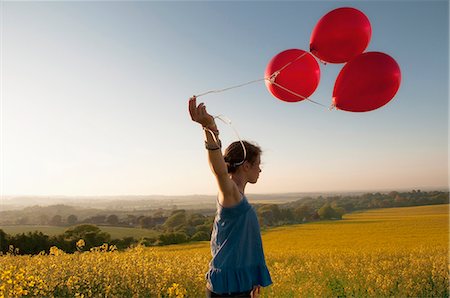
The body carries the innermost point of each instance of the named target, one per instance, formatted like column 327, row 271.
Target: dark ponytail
column 234, row 155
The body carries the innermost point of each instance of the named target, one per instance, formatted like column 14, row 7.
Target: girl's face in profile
column 254, row 170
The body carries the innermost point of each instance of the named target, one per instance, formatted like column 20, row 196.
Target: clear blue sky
column 94, row 98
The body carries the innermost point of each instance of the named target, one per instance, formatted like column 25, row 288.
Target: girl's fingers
column 201, row 109
column 192, row 102
column 198, row 113
column 193, row 107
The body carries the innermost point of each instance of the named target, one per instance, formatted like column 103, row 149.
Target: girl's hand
column 199, row 113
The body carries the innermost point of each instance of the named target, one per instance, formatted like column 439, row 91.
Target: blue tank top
column 238, row 261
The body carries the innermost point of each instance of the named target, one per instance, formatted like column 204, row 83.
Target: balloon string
column 228, row 121
column 229, row 88
column 275, row 73
column 270, row 79
column 298, row 95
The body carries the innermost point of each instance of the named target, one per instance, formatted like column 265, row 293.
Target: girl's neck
column 240, row 183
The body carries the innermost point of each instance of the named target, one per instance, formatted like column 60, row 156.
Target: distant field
column 397, row 252
column 115, row 232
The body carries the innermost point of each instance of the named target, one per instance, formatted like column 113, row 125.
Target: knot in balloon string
column 273, row 76
column 228, row 122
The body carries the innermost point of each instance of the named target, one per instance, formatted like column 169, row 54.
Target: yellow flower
column 177, row 291
column 80, row 244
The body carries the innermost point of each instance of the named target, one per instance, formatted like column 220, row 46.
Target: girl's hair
column 234, row 155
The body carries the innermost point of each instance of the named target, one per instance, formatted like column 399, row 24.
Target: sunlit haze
column 94, row 98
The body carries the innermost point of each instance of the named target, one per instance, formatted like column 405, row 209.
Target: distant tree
column 393, row 194
column 60, row 242
column 196, row 219
column 149, row 241
column 349, row 206
column 3, row 241
column 176, row 219
column 98, row 219
column 375, row 203
column 302, row 213
column 200, row 236
column 72, row 219
column 159, row 213
column 30, row 243
column 332, row 211
column 275, row 211
column 441, row 198
column 172, row 238
column 338, row 212
column 186, row 229
column 206, row 227
column 91, row 234
column 269, row 214
column 112, row 219
column 315, row 216
column 266, row 217
column 400, row 201
column 287, row 216
column 385, row 203
column 56, row 220
column 146, row 222
column 130, row 220
column 175, row 211
column 124, row 242
column 326, row 212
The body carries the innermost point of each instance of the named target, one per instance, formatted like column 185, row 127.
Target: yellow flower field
column 380, row 253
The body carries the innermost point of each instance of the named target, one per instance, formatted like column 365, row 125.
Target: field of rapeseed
column 387, row 252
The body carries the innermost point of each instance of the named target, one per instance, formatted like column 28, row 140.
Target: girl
column 237, row 268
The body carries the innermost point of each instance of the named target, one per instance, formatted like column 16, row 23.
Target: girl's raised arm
column 228, row 189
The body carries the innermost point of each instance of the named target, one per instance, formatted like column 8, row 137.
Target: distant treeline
column 178, row 226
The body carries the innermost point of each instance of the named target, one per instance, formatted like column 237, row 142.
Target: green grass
column 115, row 232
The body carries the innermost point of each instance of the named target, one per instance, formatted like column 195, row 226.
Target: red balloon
column 340, row 35
column 366, row 83
column 299, row 73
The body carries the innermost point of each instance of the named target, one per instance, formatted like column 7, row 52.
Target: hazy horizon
column 442, row 188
